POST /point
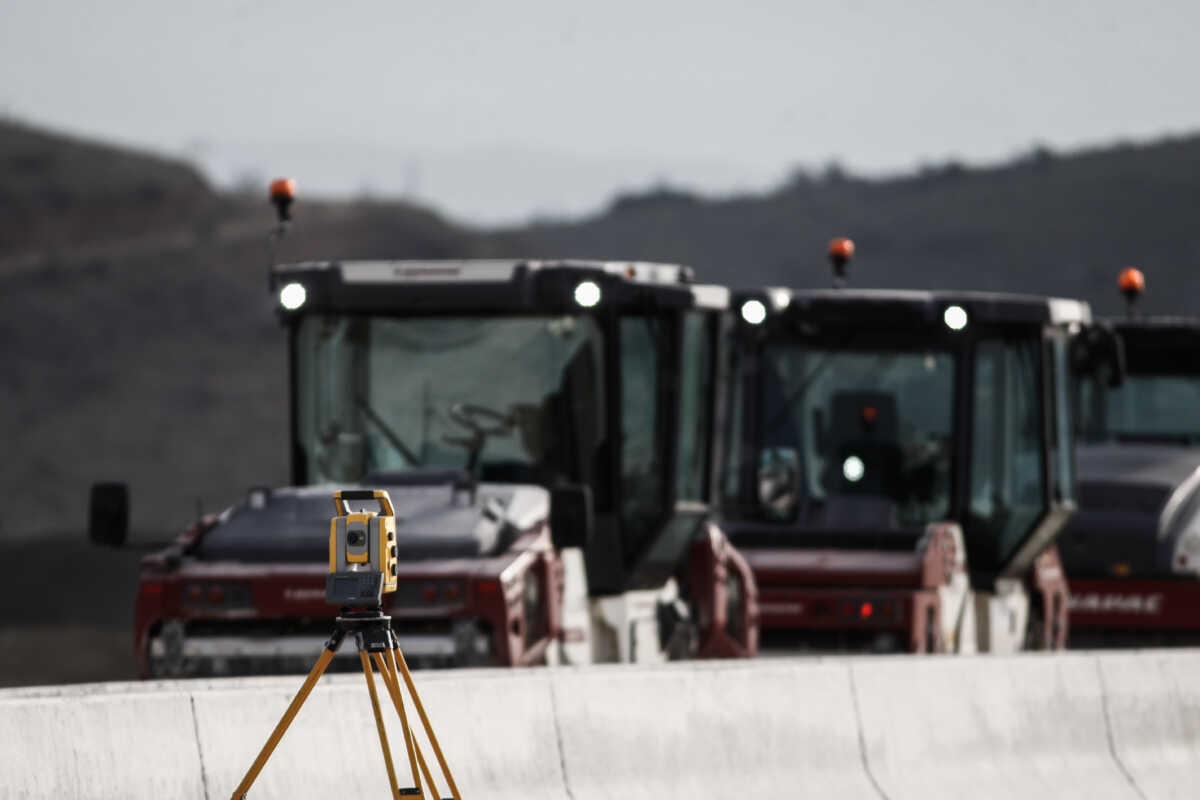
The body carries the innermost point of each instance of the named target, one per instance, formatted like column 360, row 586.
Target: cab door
column 668, row 402
column 1022, row 466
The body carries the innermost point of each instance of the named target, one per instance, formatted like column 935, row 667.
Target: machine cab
column 544, row 430
column 1139, row 461
column 1157, row 402
column 551, row 373
column 862, row 417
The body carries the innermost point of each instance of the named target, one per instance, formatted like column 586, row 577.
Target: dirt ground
column 66, row 612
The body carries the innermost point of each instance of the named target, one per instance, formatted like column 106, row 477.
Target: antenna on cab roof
column 841, row 251
column 1131, row 283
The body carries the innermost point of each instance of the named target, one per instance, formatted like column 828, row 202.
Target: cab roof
column 1163, row 324
column 1160, row 345
column 492, row 284
column 901, row 306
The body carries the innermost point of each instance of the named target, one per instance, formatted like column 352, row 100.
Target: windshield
column 1147, row 407
column 507, row 398
column 855, row 439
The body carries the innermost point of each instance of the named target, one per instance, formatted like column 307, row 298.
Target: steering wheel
column 481, row 420
column 480, row 423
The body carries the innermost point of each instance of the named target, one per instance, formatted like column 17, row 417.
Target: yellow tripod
column 373, row 634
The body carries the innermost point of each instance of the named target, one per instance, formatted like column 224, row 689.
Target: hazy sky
column 498, row 110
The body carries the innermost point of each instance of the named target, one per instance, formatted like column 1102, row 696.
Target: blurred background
column 1018, row 146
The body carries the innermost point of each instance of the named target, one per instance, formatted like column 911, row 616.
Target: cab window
column 1008, row 491
column 695, row 407
column 641, row 443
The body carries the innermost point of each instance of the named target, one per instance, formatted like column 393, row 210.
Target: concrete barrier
column 1041, row 726
column 980, row 727
column 102, row 746
column 496, row 727
column 746, row 730
column 1153, row 703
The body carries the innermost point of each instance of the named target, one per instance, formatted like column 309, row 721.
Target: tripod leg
column 392, row 681
column 396, row 658
column 433, row 792
column 383, row 741
column 261, row 761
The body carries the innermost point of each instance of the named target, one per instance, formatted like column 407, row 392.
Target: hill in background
column 56, row 191
column 1044, row 224
column 140, row 343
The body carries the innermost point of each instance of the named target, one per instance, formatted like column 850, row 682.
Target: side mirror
column 779, row 481
column 1116, row 357
column 1100, row 351
column 108, row 514
column 572, row 520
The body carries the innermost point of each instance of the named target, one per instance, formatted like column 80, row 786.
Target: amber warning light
column 283, row 192
column 1131, row 283
column 841, row 250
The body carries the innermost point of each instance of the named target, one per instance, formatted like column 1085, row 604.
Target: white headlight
column 587, row 294
column 292, row 296
column 754, row 312
column 955, row 318
column 853, row 469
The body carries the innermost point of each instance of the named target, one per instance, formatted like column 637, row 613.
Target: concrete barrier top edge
column 503, row 674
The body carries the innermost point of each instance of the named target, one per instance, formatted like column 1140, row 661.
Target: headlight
column 587, row 294
column 955, row 318
column 754, row 312
column 292, row 296
column 853, row 469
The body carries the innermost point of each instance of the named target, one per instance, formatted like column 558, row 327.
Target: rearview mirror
column 108, row 514
column 572, row 520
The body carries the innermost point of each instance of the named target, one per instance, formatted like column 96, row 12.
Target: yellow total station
column 362, row 566
column 362, row 550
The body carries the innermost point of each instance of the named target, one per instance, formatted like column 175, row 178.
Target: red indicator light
column 195, row 594
column 866, row 610
column 487, row 588
column 453, row 593
column 152, row 589
column 216, row 595
column 429, row 593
